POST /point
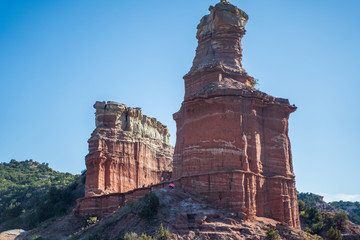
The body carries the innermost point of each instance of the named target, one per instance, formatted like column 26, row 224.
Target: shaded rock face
column 232, row 143
column 126, row 150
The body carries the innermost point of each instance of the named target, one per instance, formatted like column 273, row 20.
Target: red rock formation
column 126, row 150
column 232, row 143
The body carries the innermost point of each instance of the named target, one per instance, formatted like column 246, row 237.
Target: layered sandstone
column 126, row 150
column 232, row 143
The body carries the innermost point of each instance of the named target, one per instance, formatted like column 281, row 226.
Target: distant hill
column 352, row 209
column 31, row 192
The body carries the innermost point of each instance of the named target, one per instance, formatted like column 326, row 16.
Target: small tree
column 130, row 236
column 91, row 220
column 301, row 205
column 151, row 204
column 144, row 237
column 134, row 236
column 162, row 234
column 334, row 234
column 340, row 220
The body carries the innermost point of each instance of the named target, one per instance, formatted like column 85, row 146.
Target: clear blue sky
column 57, row 57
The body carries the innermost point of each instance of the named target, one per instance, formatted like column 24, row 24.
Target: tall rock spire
column 232, row 144
column 219, row 52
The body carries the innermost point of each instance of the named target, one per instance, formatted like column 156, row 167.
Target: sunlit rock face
column 232, row 143
column 126, row 150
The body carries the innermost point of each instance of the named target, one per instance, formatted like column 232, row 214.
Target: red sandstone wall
column 103, row 205
column 126, row 151
column 238, row 154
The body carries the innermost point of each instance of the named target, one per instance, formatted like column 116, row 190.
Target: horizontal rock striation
column 232, row 143
column 126, row 150
column 104, row 205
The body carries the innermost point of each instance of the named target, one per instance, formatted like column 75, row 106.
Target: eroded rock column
column 232, row 143
column 126, row 151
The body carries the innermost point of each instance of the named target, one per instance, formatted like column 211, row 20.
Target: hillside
column 31, row 192
column 33, row 196
column 352, row 209
column 182, row 215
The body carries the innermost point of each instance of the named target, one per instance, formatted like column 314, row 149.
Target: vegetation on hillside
column 272, row 235
column 150, row 205
column 31, row 193
column 352, row 208
column 310, row 199
column 323, row 224
column 161, row 234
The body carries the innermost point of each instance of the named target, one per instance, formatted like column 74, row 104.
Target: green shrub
column 162, row 234
column 144, row 237
column 340, row 220
column 272, row 235
column 301, row 205
column 316, row 228
column 130, row 236
column 334, row 234
column 37, row 238
column 150, row 205
column 91, row 220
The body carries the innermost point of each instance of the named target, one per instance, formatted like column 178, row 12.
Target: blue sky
column 58, row 57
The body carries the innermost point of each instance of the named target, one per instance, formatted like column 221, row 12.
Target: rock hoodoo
column 126, row 150
column 232, row 143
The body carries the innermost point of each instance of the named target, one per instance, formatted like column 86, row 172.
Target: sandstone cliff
column 126, row 150
column 232, row 143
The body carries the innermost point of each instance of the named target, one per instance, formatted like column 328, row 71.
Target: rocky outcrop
column 185, row 215
column 232, row 143
column 12, row 234
column 126, row 150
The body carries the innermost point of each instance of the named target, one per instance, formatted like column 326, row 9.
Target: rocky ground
column 11, row 234
column 184, row 215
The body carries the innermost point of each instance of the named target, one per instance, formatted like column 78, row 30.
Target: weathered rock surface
column 185, row 215
column 11, row 234
column 126, row 150
column 232, row 143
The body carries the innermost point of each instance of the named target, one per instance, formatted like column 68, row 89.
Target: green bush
column 316, row 228
column 272, row 235
column 301, row 205
column 340, row 220
column 162, row 234
column 144, row 237
column 333, row 234
column 37, row 238
column 150, row 205
column 130, row 236
column 91, row 220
